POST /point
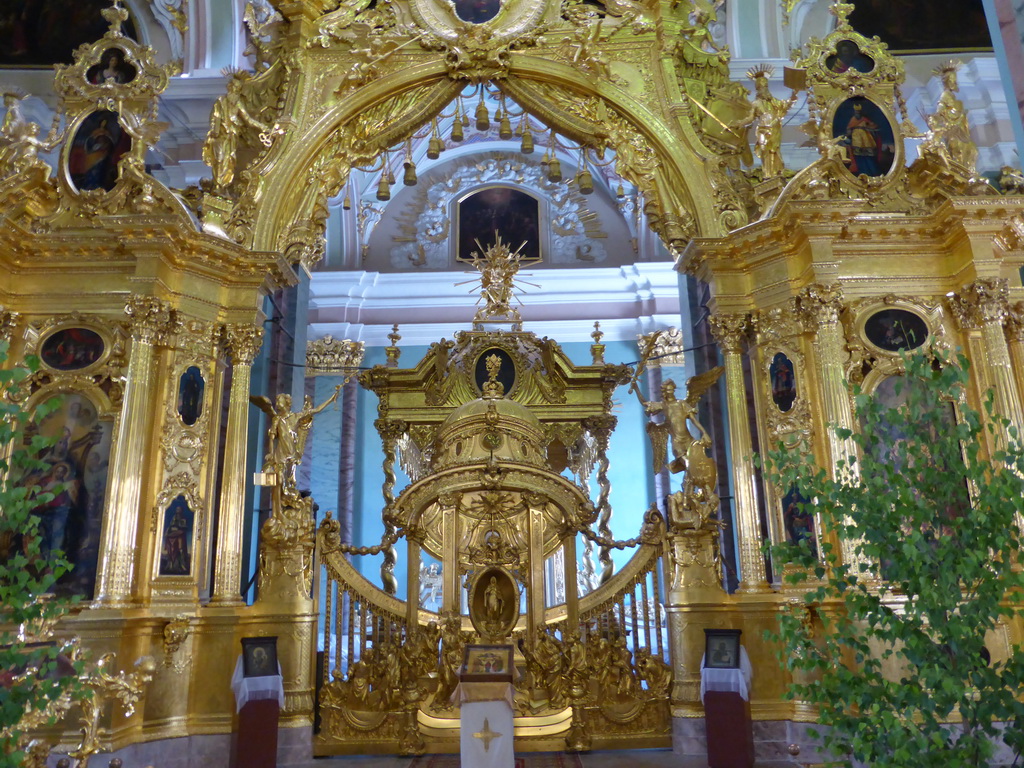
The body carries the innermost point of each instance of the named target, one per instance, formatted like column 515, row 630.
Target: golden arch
column 317, row 158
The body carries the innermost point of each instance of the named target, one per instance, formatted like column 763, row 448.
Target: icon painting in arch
column 96, row 150
column 866, row 136
column 176, row 548
column 190, row 395
column 505, row 211
column 783, row 380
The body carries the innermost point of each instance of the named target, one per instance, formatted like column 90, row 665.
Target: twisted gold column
column 729, row 330
column 601, row 428
column 152, row 319
column 243, row 341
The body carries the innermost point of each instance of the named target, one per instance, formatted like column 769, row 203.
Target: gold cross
column 486, row 735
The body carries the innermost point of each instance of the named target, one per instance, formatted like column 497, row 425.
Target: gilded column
column 152, row 319
column 729, row 330
column 243, row 342
column 1015, row 335
column 821, row 306
column 984, row 305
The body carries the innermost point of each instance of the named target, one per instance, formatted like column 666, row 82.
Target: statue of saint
column 493, row 603
column 227, row 121
column 949, row 137
column 769, row 113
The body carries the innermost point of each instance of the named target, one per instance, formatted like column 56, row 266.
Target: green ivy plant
column 37, row 682
column 892, row 649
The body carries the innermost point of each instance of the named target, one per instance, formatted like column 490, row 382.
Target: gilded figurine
column 679, row 414
column 19, row 142
column 288, row 432
column 1011, row 180
column 227, row 121
column 949, row 134
column 769, row 113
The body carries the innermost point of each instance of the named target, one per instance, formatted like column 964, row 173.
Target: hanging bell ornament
column 434, row 148
column 383, row 189
column 527, row 146
column 505, row 128
column 483, row 120
column 409, row 177
column 554, row 170
column 457, row 134
column 585, row 182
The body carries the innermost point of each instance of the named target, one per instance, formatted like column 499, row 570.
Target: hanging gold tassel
column 585, row 182
column 483, row 120
column 554, row 170
column 527, row 146
column 383, row 189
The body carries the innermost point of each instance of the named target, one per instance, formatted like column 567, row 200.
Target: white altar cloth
column 727, row 680
column 256, row 688
column 486, row 732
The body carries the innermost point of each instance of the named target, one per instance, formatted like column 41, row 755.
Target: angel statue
column 769, row 112
column 288, row 432
column 19, row 142
column 949, row 137
column 687, row 449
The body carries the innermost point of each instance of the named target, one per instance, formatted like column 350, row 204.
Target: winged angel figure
column 19, row 142
column 689, row 452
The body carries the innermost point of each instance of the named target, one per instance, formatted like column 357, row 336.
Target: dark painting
column 783, row 380
column 923, row 25
column 176, row 546
column 40, row 33
column 512, row 214
column 506, row 373
column 867, row 137
column 190, row 395
column 259, row 656
column 74, row 469
column 71, row 349
column 477, row 11
column 97, row 148
column 113, row 68
column 848, row 56
column 798, row 519
column 896, row 329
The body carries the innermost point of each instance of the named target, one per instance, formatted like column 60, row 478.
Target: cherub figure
column 228, row 120
column 1011, row 180
column 19, row 142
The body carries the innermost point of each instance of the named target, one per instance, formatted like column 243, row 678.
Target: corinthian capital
column 1015, row 321
column 981, row 302
column 729, row 330
column 244, row 341
column 821, row 304
column 152, row 319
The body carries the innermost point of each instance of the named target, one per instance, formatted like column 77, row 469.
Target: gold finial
column 393, row 351
column 597, row 348
column 493, row 388
column 841, row 11
column 116, row 15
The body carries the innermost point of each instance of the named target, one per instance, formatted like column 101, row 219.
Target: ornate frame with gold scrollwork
column 897, row 167
column 74, row 321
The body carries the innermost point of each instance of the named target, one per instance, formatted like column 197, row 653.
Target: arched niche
column 678, row 195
